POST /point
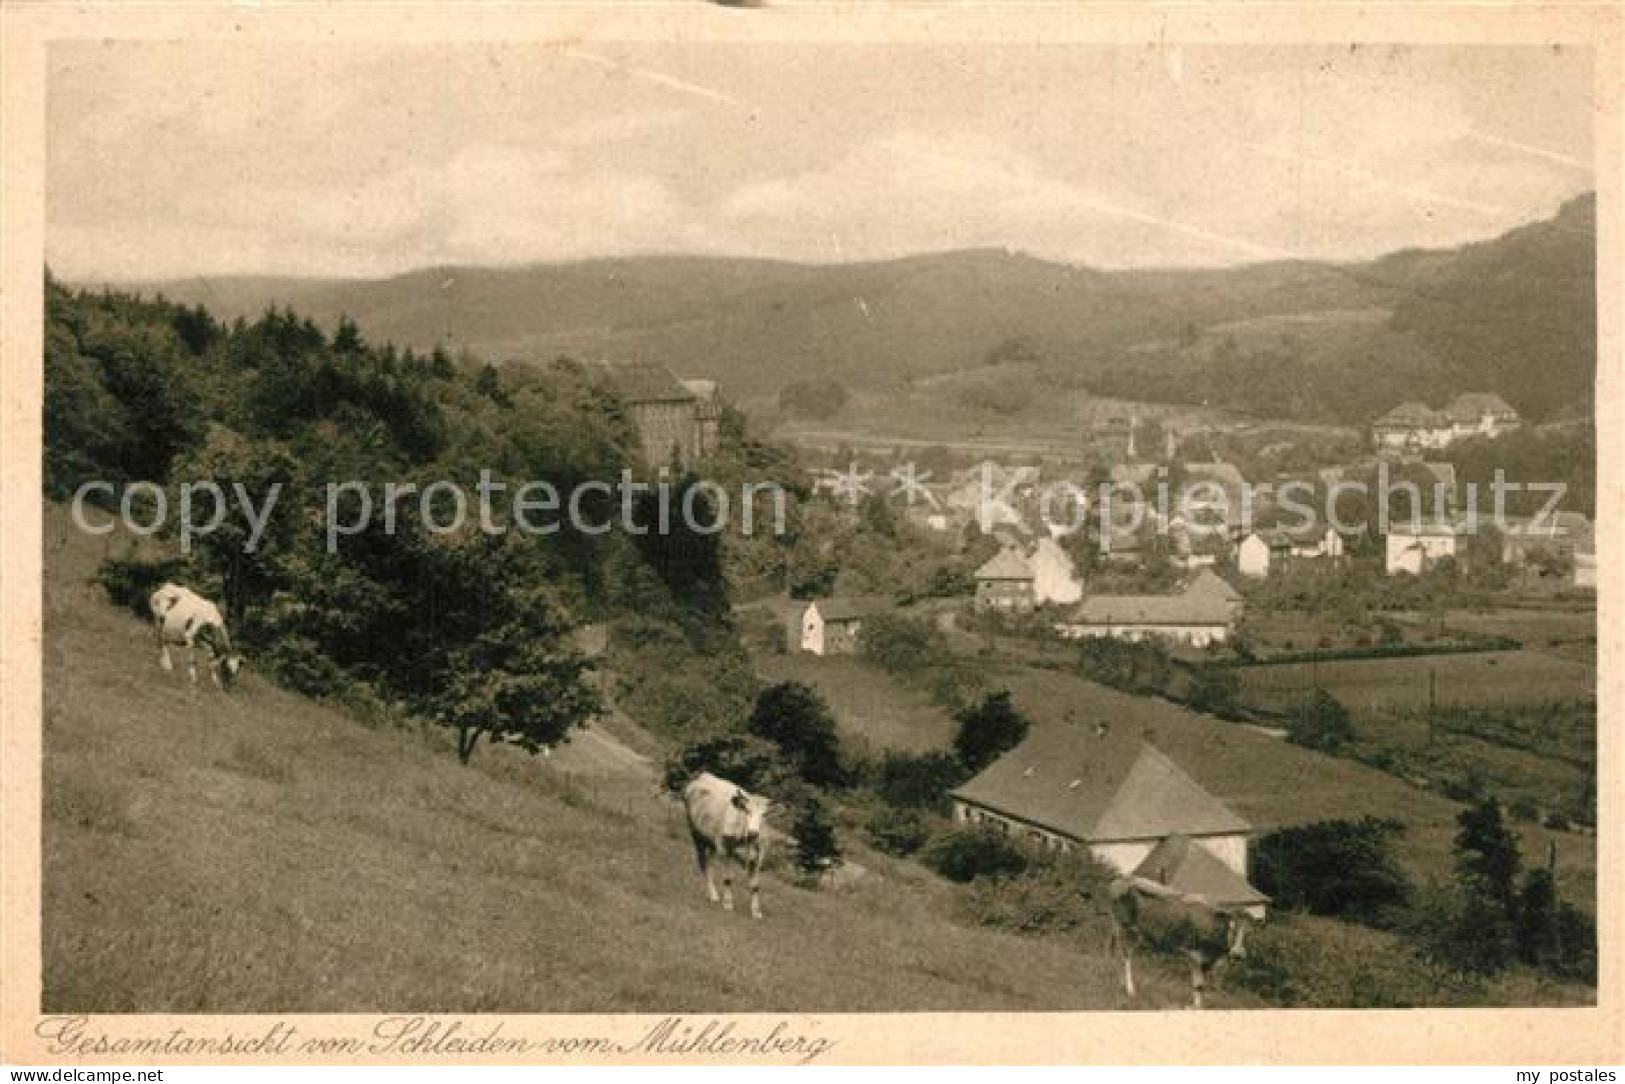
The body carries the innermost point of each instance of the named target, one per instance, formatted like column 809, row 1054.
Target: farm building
column 1415, row 548
column 1203, row 613
column 676, row 420
column 1071, row 787
column 1005, row 583
column 832, row 626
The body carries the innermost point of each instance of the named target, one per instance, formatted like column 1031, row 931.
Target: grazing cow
column 1147, row 913
column 728, row 824
column 185, row 619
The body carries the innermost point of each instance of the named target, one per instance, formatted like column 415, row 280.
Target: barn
column 1109, row 790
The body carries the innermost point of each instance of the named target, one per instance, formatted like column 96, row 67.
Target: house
column 1005, row 583
column 676, row 420
column 1055, row 578
column 833, row 626
column 1481, row 413
column 1415, row 548
column 1200, row 615
column 1413, row 427
column 1107, row 791
column 1271, row 550
column 1561, row 534
column 1585, row 565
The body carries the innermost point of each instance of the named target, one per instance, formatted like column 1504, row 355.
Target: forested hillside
column 1310, row 341
column 471, row 629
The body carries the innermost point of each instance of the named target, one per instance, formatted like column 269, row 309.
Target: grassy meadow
column 259, row 852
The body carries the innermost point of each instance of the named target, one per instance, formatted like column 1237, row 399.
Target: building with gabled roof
column 833, row 626
column 1103, row 790
column 1005, row 583
column 1204, row 612
column 1180, row 863
column 676, row 420
column 1413, row 427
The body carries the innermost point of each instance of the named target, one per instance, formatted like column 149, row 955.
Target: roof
column 1412, row 414
column 850, row 607
column 1191, row 869
column 1007, row 564
column 1210, row 583
column 1198, row 609
column 645, row 382
column 1470, row 406
column 1098, row 788
column 1559, row 525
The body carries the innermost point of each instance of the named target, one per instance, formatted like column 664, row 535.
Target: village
column 1255, row 607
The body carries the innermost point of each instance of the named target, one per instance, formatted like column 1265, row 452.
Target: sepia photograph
column 680, row 525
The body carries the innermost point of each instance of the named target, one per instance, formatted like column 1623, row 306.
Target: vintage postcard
column 811, row 534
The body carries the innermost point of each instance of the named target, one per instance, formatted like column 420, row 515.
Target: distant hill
column 1515, row 315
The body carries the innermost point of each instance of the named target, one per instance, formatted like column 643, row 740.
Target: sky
column 172, row 160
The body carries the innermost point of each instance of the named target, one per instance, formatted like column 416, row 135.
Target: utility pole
column 1433, row 699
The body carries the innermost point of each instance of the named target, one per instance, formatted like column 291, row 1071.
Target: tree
column 796, row 720
column 816, row 848
column 919, row 780
column 1320, row 722
column 988, row 730
column 1487, row 858
column 901, row 645
column 1536, row 928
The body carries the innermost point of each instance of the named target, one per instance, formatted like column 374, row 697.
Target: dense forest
column 471, row 629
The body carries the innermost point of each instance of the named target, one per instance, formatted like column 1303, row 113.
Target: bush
column 1056, row 894
column 1321, row 723
column 966, row 854
column 898, row 832
column 130, row 581
column 1305, row 962
column 1339, row 868
column 1215, row 690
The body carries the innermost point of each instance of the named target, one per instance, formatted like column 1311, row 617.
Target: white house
column 1107, row 790
column 1415, row 548
column 832, row 626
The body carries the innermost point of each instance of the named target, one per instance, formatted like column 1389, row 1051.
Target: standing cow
column 728, row 825
column 185, row 619
column 1145, row 912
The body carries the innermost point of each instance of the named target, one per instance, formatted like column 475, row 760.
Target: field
column 870, row 707
column 1488, row 679
column 262, row 853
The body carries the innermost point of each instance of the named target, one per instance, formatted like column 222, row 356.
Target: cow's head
column 754, row 808
column 229, row 665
